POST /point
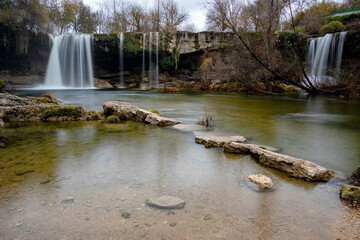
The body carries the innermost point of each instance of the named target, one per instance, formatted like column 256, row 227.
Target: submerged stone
column 216, row 141
column 350, row 193
column 263, row 182
column 167, row 202
column 68, row 200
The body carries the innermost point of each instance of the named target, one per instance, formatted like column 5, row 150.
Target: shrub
column 2, row 85
column 64, row 111
column 208, row 119
column 48, row 95
column 166, row 63
column 334, row 26
column 112, row 119
column 171, row 89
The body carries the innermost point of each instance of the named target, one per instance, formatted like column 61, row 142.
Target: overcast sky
column 193, row 7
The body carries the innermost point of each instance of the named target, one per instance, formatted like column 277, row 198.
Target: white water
column 324, row 58
column 157, row 59
column 121, row 39
column 150, row 59
column 70, row 62
column 143, row 59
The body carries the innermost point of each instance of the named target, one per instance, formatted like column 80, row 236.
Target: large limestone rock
column 263, row 182
column 167, row 202
column 14, row 109
column 215, row 141
column 294, row 167
column 350, row 193
column 128, row 111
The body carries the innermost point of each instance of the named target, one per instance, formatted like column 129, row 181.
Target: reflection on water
column 103, row 169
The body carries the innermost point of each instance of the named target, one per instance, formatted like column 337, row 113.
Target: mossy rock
column 63, row 111
column 350, row 193
column 112, row 119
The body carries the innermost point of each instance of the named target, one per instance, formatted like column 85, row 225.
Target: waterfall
column 150, row 59
column 70, row 62
column 121, row 40
column 324, row 58
column 157, row 59
column 143, row 60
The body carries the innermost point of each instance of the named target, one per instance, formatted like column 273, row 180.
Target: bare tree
column 172, row 15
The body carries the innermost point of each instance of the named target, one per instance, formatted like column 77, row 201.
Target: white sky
column 193, row 7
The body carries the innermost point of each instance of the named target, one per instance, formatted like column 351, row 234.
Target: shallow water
column 105, row 169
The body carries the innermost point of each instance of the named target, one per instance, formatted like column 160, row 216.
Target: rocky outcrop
column 294, row 167
column 166, row 202
column 263, row 182
column 350, row 193
column 19, row 109
column 126, row 111
column 355, row 178
column 215, row 141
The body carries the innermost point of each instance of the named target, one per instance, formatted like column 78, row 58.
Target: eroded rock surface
column 126, row 111
column 15, row 109
column 294, row 167
column 167, row 202
column 355, row 178
column 215, row 141
column 263, row 182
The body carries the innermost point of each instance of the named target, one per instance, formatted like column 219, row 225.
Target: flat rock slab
column 350, row 193
column 215, row 141
column 127, row 111
column 294, row 167
column 166, row 202
column 263, row 182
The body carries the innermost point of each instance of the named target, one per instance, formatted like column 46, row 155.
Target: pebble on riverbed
column 166, row 202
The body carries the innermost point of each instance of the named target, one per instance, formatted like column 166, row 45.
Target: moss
column 64, row 111
column 2, row 85
column 155, row 111
column 176, row 57
column 132, row 43
column 112, row 119
column 166, row 63
column 334, row 26
column 344, row 19
column 44, row 100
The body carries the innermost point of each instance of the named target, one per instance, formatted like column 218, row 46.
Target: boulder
column 100, row 83
column 350, row 193
column 263, row 182
column 294, row 167
column 355, row 178
column 14, row 108
column 215, row 141
column 166, row 202
column 126, row 111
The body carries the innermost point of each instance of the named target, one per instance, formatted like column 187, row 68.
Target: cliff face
column 24, row 56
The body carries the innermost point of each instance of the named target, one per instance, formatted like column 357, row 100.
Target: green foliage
column 334, row 26
column 344, row 19
column 66, row 111
column 132, row 43
column 176, row 57
column 112, row 119
column 166, row 63
column 2, row 85
column 285, row 40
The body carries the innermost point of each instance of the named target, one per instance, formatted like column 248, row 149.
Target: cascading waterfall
column 143, row 59
column 121, row 40
column 70, row 62
column 157, row 59
column 150, row 59
column 324, row 58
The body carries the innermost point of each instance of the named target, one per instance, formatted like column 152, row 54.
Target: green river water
column 103, row 170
